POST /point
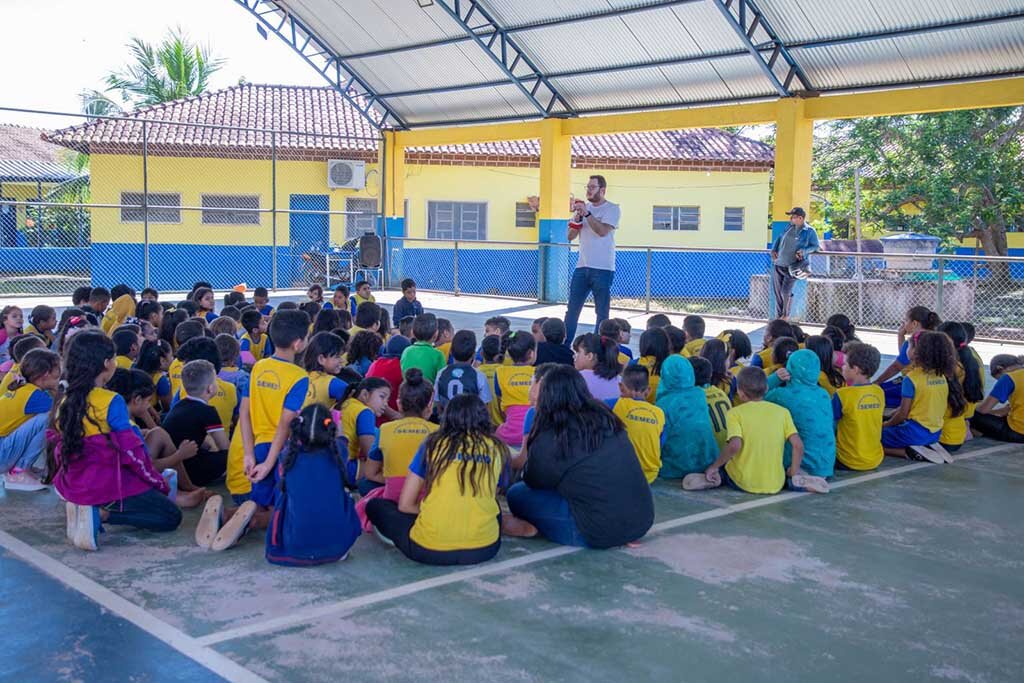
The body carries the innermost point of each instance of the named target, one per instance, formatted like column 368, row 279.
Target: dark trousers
column 207, row 467
column 548, row 511
column 995, row 427
column 151, row 510
column 585, row 281
column 782, row 285
column 396, row 525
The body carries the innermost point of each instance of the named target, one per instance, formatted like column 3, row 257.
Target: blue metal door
column 309, row 238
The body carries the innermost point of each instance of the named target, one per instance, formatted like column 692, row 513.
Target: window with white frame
column 676, row 218
column 734, row 218
column 357, row 224
column 164, row 207
column 230, row 209
column 457, row 220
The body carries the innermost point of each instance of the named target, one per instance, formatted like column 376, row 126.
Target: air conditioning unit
column 346, row 174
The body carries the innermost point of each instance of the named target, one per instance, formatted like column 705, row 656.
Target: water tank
column 903, row 251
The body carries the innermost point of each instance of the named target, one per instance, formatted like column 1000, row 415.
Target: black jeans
column 151, row 510
column 995, row 427
column 782, row 285
column 207, row 467
column 396, row 525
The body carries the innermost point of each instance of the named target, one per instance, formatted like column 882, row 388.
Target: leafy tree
column 175, row 68
column 961, row 171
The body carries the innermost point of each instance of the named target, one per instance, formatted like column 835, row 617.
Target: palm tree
column 175, row 68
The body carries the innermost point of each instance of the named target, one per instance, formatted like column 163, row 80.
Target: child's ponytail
column 605, row 350
column 974, row 390
column 313, row 429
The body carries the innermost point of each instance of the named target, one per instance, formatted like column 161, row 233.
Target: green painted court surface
column 911, row 573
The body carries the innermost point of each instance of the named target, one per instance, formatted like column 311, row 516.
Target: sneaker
column 810, row 483
column 23, row 480
column 382, row 538
column 235, row 527
column 87, row 526
column 698, row 482
column 925, row 453
column 209, row 522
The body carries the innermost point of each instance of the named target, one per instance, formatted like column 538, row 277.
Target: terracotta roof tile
column 311, row 118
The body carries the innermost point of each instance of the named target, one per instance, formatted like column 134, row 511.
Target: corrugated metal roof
column 25, row 171
column 868, row 43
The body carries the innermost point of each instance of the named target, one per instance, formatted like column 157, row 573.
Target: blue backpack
column 314, row 520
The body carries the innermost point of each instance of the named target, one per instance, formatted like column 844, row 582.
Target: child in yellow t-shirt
column 655, row 347
column 1004, row 423
column 443, row 342
column 757, row 434
column 857, row 409
column 645, row 423
column 914, row 429
column 492, row 358
column 693, row 328
column 717, row 400
column 764, row 359
column 24, row 410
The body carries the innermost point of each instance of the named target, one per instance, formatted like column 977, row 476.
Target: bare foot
column 261, row 518
column 520, row 528
column 193, row 498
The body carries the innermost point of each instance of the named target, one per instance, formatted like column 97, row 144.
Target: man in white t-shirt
column 594, row 222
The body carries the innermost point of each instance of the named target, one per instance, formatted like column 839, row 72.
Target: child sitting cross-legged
column 716, row 399
column 597, row 359
column 255, row 343
column 399, row 440
column 1006, row 422
column 322, row 360
column 455, row 472
column 24, row 410
column 361, row 405
column 422, row 354
column 858, row 409
column 461, row 377
column 512, row 386
column 363, row 295
column 929, row 385
column 757, row 434
column 689, row 445
column 810, row 408
column 193, row 419
column 314, row 520
column 136, row 388
column 645, row 423
column 99, row 463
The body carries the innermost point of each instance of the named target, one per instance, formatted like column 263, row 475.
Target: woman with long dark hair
column 582, row 484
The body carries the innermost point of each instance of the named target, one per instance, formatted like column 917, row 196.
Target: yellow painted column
column 794, row 145
column 392, row 201
column 552, row 227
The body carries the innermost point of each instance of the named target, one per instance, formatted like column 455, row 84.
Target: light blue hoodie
column 811, row 409
column 688, row 444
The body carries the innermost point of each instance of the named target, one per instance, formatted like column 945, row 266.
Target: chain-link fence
column 154, row 198
column 875, row 290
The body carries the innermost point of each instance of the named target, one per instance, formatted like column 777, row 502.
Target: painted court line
column 345, row 606
column 106, row 598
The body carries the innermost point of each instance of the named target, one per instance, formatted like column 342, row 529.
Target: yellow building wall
column 637, row 192
column 192, row 177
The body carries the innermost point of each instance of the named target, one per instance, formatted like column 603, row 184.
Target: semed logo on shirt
column 868, row 403
column 269, row 379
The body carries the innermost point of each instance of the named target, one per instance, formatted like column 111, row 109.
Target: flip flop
column 209, row 522
column 943, row 453
column 926, row 453
column 235, row 527
column 811, row 483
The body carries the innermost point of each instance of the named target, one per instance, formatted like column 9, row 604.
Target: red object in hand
column 573, row 225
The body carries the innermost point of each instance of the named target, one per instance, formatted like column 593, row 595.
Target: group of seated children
column 297, row 408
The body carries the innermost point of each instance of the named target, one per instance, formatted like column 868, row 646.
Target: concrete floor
column 910, row 573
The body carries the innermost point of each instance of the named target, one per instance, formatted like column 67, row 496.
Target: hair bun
column 414, row 376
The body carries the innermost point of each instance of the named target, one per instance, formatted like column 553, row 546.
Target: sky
column 53, row 49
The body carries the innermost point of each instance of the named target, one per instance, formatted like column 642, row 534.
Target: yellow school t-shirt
column 446, row 349
column 692, row 348
column 97, row 407
column 859, row 430
column 11, row 375
column 321, row 385
column 512, row 384
column 451, row 519
column 257, row 348
column 174, row 375
column 238, row 484
column 653, row 380
column 399, row 441
column 954, row 428
column 825, row 384
column 767, row 364
column 1015, row 414
column 718, row 410
column 356, row 420
column 764, row 428
column 123, row 362
column 494, row 407
column 271, row 382
column 12, row 407
column 645, row 424
column 931, row 393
